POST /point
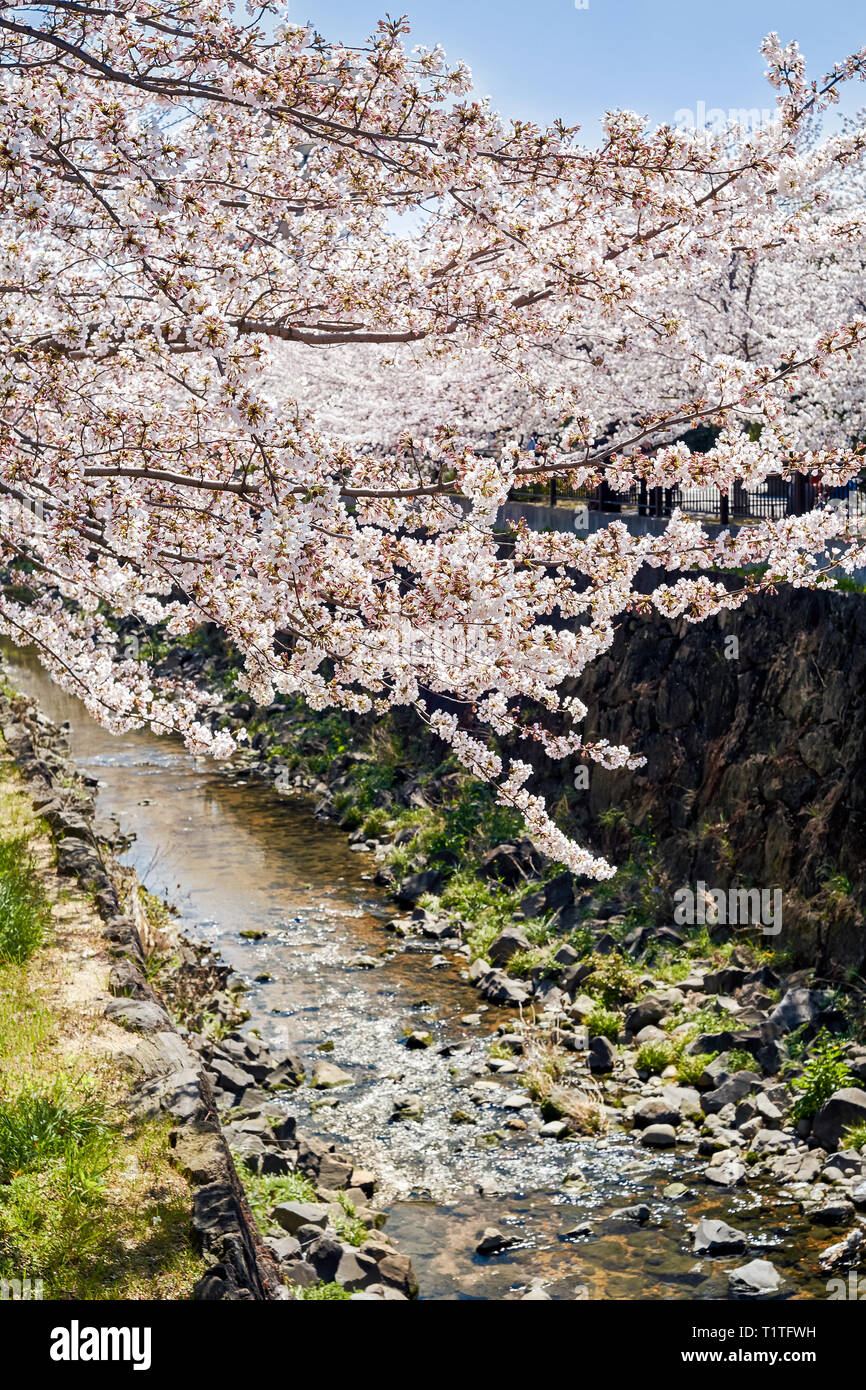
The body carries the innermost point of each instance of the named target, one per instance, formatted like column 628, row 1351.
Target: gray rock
column 728, row 1173
column 770, row 1114
column 284, row 1247
column 507, row 944
column 328, row 1074
column 325, row 1255
column 655, row 1111
column 395, row 1271
column 758, row 1279
column 717, row 1238
column 829, row 1211
column 647, row 1011
column 845, row 1108
column 138, row 1015
column 493, row 1241
column 499, row 988
column 640, row 1213
column 601, row 1056
column 844, row 1164
column 229, row 1077
column 659, row 1136
column 356, row 1270
column 858, row 1196
column 414, row 886
column 734, row 1089
column 554, row 1129
column 797, row 1006
column 292, row 1215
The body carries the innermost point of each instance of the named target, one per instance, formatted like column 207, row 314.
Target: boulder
column 729, row 1172
column 718, row 1238
column 659, row 1136
column 559, row 892
column 655, row 1111
column 741, row 1084
column 493, row 1241
column 138, row 1015
column 356, row 1270
column 512, row 862
column 829, row 1211
column 396, row 1273
column 499, row 988
column 292, row 1215
column 325, row 1255
column 651, row 1009
column 229, row 1077
column 758, row 1279
column 640, row 1213
column 847, row 1107
column 796, row 1008
column 415, row 886
column 601, row 1056
column 507, row 944
column 724, row 981
column 328, row 1074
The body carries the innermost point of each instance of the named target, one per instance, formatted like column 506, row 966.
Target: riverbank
column 91, row 1205
column 138, row 1057
column 334, row 977
column 707, row 1042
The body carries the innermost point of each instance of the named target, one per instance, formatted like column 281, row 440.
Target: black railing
column 776, row 498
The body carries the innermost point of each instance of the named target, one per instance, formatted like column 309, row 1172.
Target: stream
column 234, row 857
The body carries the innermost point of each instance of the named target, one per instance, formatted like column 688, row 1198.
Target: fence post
column 724, row 508
column 641, row 498
column 553, row 492
column 798, row 495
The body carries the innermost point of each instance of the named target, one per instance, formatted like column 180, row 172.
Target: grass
column 318, row 1292
column 576, row 1099
column 89, row 1200
column 855, row 1136
column 604, row 1023
column 265, row 1193
column 691, row 1067
column 654, row 1057
column 740, row 1060
column 25, row 913
column 824, row 1072
column 350, row 1227
column 613, row 981
column 57, row 1121
column 104, row 1219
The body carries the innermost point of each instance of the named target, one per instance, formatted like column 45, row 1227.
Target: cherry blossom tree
column 233, row 256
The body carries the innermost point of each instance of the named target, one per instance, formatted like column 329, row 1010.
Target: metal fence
column 775, row 498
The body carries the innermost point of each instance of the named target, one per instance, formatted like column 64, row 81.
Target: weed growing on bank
column 89, row 1201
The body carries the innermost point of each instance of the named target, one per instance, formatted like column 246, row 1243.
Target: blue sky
column 544, row 58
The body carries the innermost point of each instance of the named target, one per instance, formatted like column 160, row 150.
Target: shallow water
column 234, row 856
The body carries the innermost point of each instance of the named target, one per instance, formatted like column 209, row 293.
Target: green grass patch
column 825, row 1071
column 604, row 1023
column 323, row 1293
column 265, row 1193
column 25, row 912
